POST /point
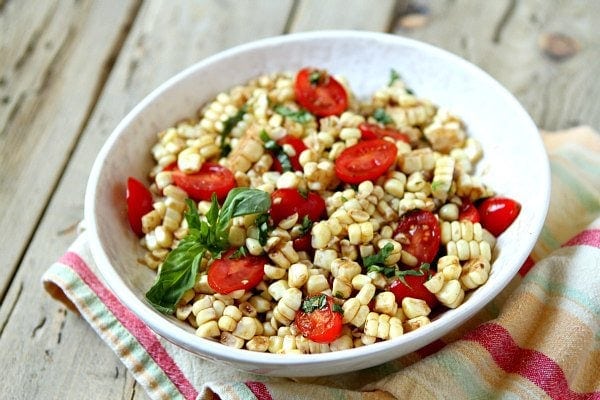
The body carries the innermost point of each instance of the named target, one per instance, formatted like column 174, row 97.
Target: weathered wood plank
column 165, row 38
column 503, row 38
column 342, row 14
column 54, row 56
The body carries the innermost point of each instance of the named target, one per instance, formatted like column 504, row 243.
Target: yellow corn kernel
column 245, row 329
column 231, row 341
column 396, row 328
column 385, row 303
column 277, row 289
column 450, row 292
column 297, row 275
column 342, row 343
column 258, row 343
column 475, row 272
column 415, row 323
column 226, row 323
column 366, row 293
column 435, row 283
column 150, row 221
column 316, row 284
column 449, row 212
column 320, row 235
column 341, row 288
column 360, row 280
column 345, row 268
column 208, row 329
column 205, row 315
column 412, row 307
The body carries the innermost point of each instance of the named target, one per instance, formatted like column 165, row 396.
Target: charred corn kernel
column 324, row 258
column 228, row 299
column 183, row 312
column 245, row 329
column 273, row 272
column 208, row 314
column 412, row 307
column 342, row 343
column 385, row 303
column 348, row 250
column 151, row 261
column 237, row 236
column 366, row 293
column 231, row 341
column 345, row 268
column 258, row 343
column 371, row 324
column 435, row 283
column 219, row 306
column 233, row 312
column 359, row 215
column 175, row 193
column 408, row 259
column 160, row 208
column 280, row 259
column 187, row 297
column 473, row 249
column 450, row 267
column 253, row 246
column 415, row 323
column 297, row 275
column 175, row 204
column 442, row 177
column 164, row 237
column 449, row 212
column 260, row 304
column 289, row 222
column 341, row 288
column 415, row 182
column 277, row 289
column 208, row 329
column 150, row 221
column 360, row 232
column 172, row 219
column 202, row 303
column 449, row 293
column 320, row 235
column 268, row 329
column 275, row 344
column 396, row 328
column 367, row 339
column 366, row 250
column 202, row 286
column 378, row 279
column 226, row 323
column 247, row 309
column 360, row 280
column 316, row 284
column 475, row 272
column 396, row 253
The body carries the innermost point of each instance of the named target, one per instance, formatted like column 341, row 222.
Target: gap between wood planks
column 101, row 83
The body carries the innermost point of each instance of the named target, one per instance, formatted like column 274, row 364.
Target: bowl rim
column 210, row 349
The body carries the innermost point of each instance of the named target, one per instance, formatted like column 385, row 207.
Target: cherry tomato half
column 285, row 202
column 298, row 146
column 413, row 288
column 374, row 131
column 212, row 178
column 468, row 211
column 227, row 274
column 322, row 326
column 365, row 161
column 139, row 203
column 302, row 243
column 498, row 213
column 320, row 93
column 419, row 233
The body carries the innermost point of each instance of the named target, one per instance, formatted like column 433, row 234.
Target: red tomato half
column 468, row 211
column 285, row 202
column 139, row 203
column 498, row 213
column 226, row 274
column 321, row 326
column 298, row 146
column 413, row 288
column 320, row 93
column 374, row 131
column 302, row 243
column 419, row 233
column 365, row 161
column 212, row 178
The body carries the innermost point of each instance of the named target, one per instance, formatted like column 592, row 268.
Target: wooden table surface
column 71, row 69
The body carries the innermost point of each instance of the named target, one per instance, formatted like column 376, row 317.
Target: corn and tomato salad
column 290, row 216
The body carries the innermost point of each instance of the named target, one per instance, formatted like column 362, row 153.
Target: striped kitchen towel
column 540, row 338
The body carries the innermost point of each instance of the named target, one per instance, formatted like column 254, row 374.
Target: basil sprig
column 282, row 157
column 228, row 126
column 301, row 116
column 178, row 272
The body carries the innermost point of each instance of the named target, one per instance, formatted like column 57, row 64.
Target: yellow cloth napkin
column 540, row 338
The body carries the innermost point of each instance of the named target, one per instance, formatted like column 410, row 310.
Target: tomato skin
column 212, row 178
column 374, row 131
column 302, row 243
column 285, row 202
column 139, row 203
column 419, row 234
column 365, row 161
column 226, row 275
column 298, row 146
column 498, row 213
column 321, row 326
column 323, row 98
column 413, row 288
column 468, row 211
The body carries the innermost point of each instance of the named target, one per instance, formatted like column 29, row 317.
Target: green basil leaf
column 394, row 76
column 177, row 275
column 301, row 116
column 337, row 308
column 262, row 222
column 382, row 117
column 306, row 225
column 228, row 126
column 191, row 216
column 314, row 77
column 379, row 258
column 313, row 303
column 242, row 201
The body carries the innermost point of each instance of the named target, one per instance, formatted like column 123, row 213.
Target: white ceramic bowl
column 515, row 164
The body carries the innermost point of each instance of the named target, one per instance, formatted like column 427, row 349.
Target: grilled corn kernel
column 385, row 303
column 258, row 343
column 415, row 323
column 245, row 329
column 316, row 284
column 231, row 341
column 435, row 283
column 412, row 307
column 208, row 329
column 449, row 293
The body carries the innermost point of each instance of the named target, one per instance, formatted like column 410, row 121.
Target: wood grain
column 55, row 55
column 502, row 37
column 61, row 354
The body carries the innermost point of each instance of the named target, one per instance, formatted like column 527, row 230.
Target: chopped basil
column 314, row 77
column 394, row 76
column 239, row 253
column 412, row 272
column 306, row 225
column 382, row 117
column 277, row 150
column 301, row 116
column 379, row 258
column 228, row 126
column 337, row 308
column 179, row 270
column 313, row 303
